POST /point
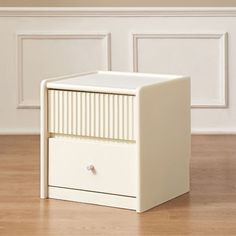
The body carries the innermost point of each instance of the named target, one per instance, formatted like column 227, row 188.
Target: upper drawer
column 91, row 114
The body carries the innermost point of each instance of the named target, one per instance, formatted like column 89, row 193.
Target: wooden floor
column 209, row 209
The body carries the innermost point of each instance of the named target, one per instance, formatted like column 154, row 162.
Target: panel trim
column 118, row 11
column 223, row 51
column 21, row 102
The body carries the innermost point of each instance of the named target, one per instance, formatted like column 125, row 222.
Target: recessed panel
column 45, row 56
column 202, row 57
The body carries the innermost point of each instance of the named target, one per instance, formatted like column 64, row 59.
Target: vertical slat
column 61, row 108
column 88, row 114
column 116, row 117
column 97, row 115
column 83, row 113
column 74, row 102
column 69, row 112
column 106, row 116
column 121, row 117
column 92, row 114
column 101, row 101
column 125, row 117
column 65, row 112
column 111, row 116
column 132, row 119
column 78, row 112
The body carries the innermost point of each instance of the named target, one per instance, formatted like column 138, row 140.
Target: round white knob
column 90, row 167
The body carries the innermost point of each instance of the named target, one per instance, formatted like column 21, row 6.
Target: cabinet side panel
column 164, row 142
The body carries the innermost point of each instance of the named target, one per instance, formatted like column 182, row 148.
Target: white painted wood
column 44, row 135
column 163, row 142
column 92, row 197
column 154, row 169
column 115, row 165
column 43, row 141
column 111, row 82
column 65, row 112
column 48, row 28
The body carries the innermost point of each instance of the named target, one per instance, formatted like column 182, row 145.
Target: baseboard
column 213, row 131
column 19, row 132
column 193, row 131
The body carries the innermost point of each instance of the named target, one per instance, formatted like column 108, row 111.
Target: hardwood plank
column 209, row 209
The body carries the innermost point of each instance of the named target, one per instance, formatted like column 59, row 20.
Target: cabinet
column 115, row 139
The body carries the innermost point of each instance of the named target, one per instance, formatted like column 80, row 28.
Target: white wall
column 37, row 43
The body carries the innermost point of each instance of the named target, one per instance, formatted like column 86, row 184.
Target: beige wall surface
column 117, row 3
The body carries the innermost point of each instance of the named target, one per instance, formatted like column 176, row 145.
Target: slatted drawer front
column 91, row 114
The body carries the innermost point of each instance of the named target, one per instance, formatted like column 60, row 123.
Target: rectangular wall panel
column 202, row 56
column 43, row 55
column 91, row 114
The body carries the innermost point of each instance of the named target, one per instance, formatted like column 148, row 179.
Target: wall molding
column 118, row 11
column 213, row 131
column 21, row 102
column 19, row 131
column 223, row 51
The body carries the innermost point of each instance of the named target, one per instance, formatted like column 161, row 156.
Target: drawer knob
column 90, row 167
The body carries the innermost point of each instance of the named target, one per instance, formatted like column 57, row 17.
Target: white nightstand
column 115, row 139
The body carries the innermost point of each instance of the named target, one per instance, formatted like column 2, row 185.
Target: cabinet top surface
column 105, row 81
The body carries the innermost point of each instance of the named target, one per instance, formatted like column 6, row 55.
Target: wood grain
column 209, row 209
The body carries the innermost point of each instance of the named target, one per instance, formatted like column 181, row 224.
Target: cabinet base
column 92, row 197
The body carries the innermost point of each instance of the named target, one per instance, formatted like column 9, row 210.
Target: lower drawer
column 100, row 166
